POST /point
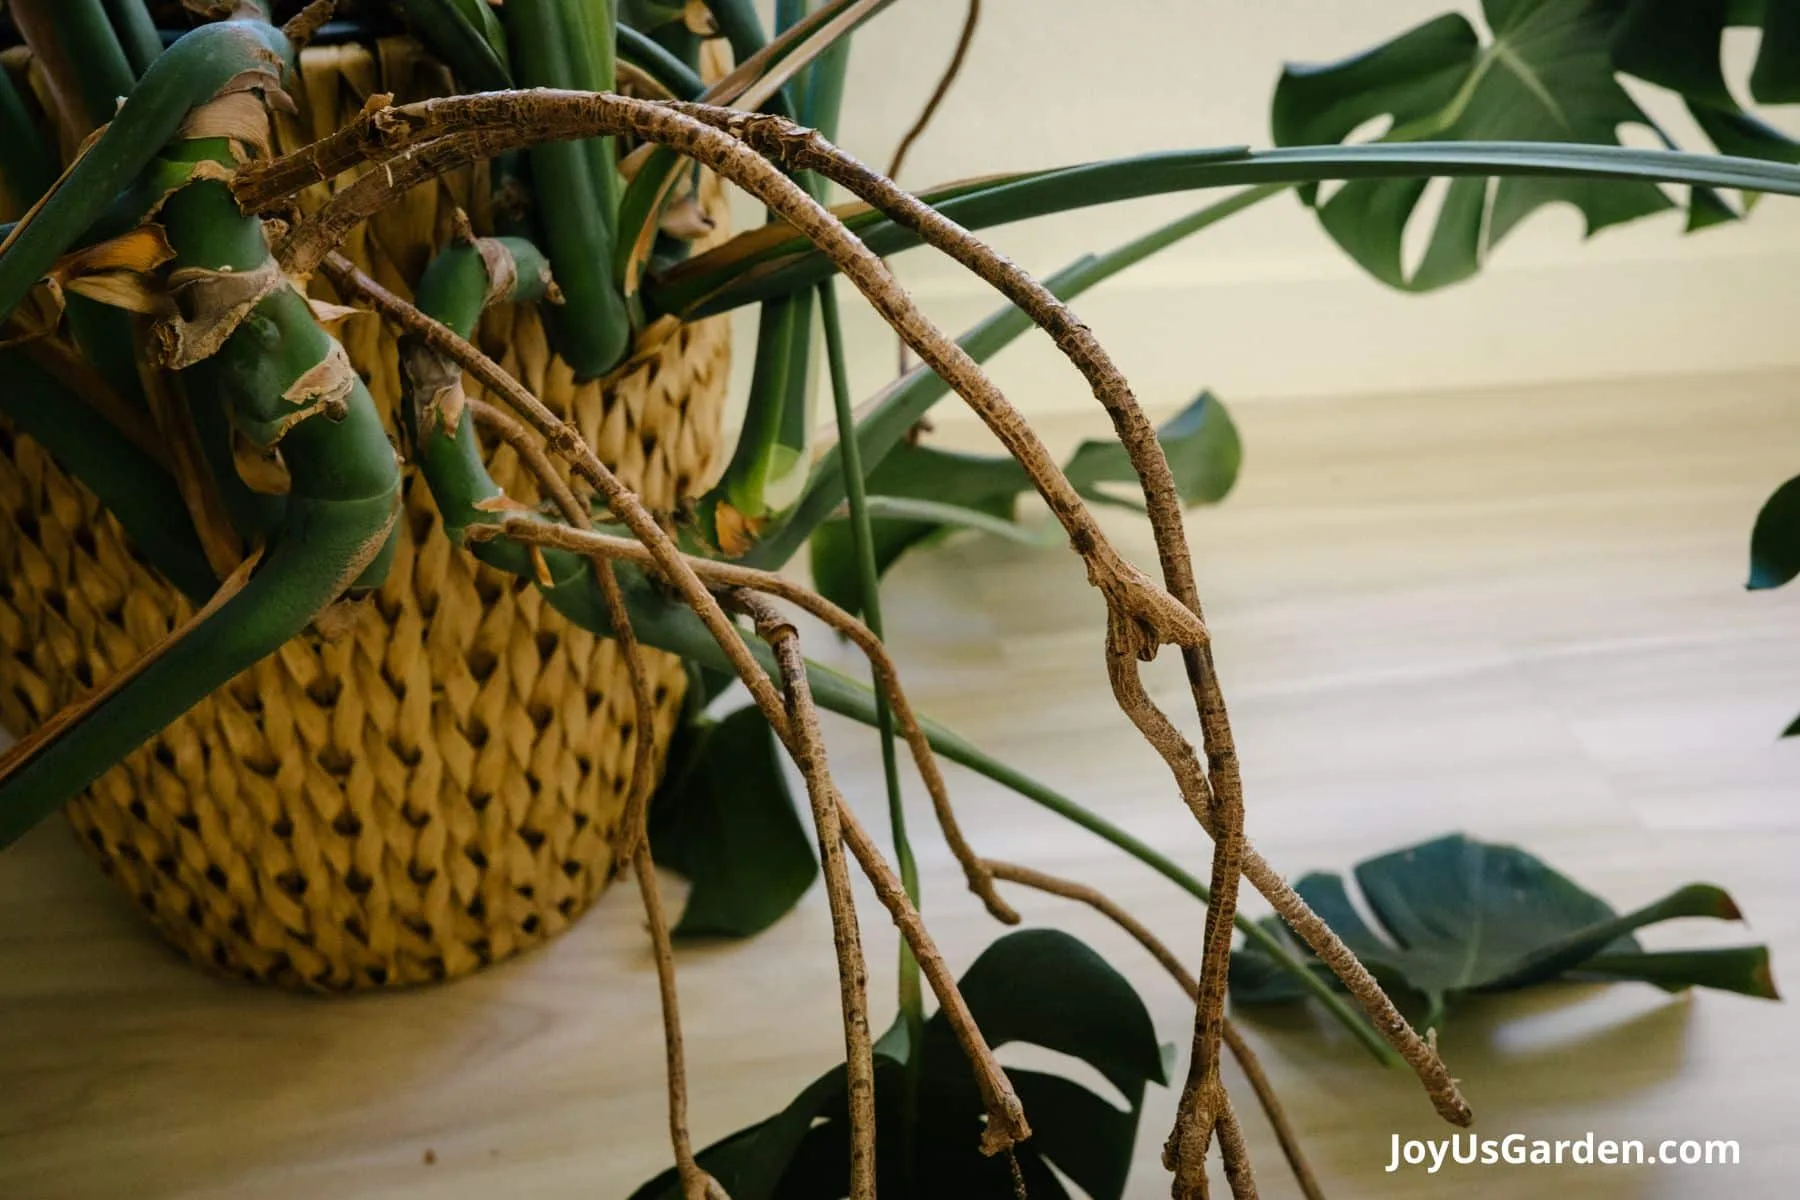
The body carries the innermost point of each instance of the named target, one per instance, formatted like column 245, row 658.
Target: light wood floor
column 1514, row 614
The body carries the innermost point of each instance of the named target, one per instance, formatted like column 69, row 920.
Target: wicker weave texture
column 431, row 788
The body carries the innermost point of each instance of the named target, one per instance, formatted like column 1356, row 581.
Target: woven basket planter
column 431, row 787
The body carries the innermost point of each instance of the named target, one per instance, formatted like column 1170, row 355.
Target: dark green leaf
column 1460, row 916
column 1775, row 539
column 1046, row 987
column 1546, row 74
column 1677, row 44
column 1040, row 986
column 751, row 1163
column 726, row 821
column 1793, row 728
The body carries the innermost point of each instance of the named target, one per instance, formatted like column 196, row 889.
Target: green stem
column 136, row 32
column 189, row 73
column 737, row 20
column 912, row 1000
column 86, row 42
column 468, row 51
column 593, row 326
column 722, row 278
column 657, row 62
column 898, row 408
column 26, row 166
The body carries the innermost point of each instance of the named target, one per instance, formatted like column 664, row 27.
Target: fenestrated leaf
column 1545, row 74
column 1201, row 443
column 1040, row 986
column 1044, row 987
column 1461, row 916
column 1775, row 538
column 725, row 820
column 1677, row 44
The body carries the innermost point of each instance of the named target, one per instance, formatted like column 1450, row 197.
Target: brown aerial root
column 1006, row 1122
column 696, row 1183
column 964, row 39
column 806, row 747
column 631, row 843
column 1006, row 1125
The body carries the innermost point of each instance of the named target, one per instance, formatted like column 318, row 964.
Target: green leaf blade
column 1459, row 916
column 727, row 821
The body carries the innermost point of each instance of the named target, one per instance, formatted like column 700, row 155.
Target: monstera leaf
column 724, row 818
column 1676, row 44
column 920, row 493
column 1547, row 71
column 1461, row 916
column 1038, row 986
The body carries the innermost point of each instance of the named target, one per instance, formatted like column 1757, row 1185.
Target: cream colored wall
column 1265, row 305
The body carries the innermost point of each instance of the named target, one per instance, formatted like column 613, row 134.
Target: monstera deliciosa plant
column 366, row 551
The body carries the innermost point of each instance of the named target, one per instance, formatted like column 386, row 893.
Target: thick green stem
column 468, row 50
column 742, row 28
column 81, row 45
column 27, row 168
column 189, row 73
column 657, row 62
column 575, row 189
column 283, row 381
